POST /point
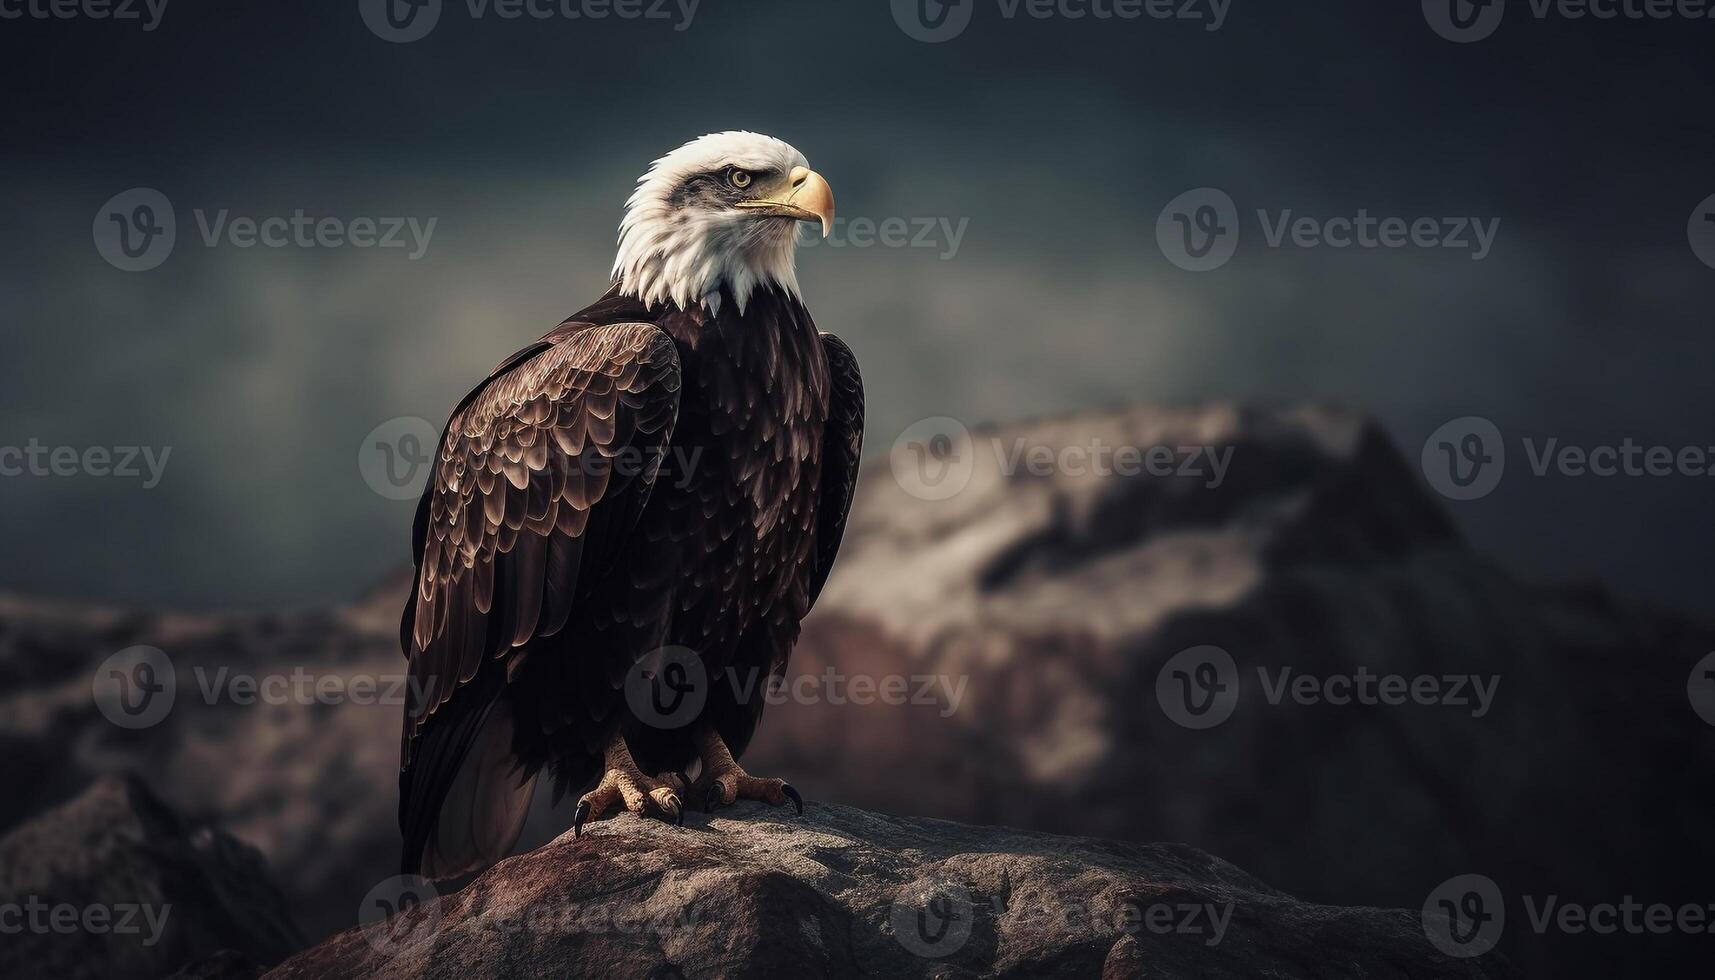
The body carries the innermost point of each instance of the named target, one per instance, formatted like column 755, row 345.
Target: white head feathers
column 680, row 244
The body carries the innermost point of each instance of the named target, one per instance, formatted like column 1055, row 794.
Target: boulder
column 840, row 892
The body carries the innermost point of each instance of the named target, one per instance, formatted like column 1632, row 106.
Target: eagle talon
column 792, row 794
column 579, row 816
column 712, row 799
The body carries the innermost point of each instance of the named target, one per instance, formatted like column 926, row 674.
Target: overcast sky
column 1029, row 160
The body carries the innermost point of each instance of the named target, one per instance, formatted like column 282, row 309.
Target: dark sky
column 1054, row 143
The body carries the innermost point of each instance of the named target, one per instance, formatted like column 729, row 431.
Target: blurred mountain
column 114, row 885
column 1031, row 618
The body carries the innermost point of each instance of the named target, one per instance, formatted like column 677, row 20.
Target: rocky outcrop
column 114, row 885
column 838, row 892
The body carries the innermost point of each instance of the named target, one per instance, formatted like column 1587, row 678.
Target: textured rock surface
column 758, row 893
column 164, row 893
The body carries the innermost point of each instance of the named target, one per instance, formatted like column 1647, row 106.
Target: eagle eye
column 739, row 178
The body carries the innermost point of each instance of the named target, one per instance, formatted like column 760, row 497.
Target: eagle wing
column 540, row 478
column 842, row 449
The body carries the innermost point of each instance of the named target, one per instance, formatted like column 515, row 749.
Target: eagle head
column 720, row 211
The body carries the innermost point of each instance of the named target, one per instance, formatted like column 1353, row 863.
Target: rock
column 839, row 892
column 114, row 885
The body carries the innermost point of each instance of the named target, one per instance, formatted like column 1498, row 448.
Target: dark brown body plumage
column 638, row 478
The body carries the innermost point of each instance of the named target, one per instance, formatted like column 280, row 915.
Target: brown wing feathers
column 842, row 451
column 534, row 465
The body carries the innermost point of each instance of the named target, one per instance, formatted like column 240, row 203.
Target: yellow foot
column 722, row 788
column 629, row 788
column 722, row 781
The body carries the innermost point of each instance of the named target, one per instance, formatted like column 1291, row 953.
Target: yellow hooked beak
column 805, row 196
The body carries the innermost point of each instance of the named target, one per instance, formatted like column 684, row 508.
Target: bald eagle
column 670, row 468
